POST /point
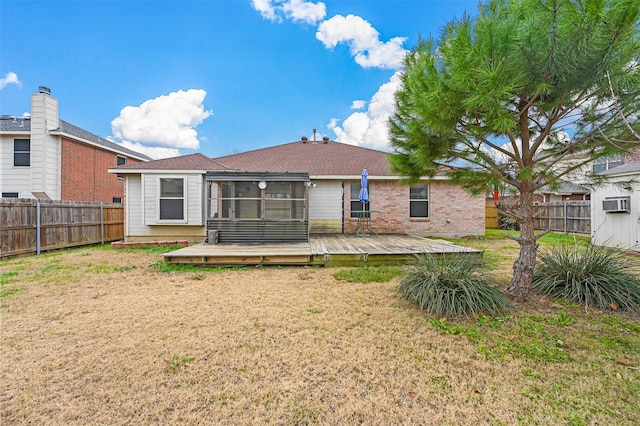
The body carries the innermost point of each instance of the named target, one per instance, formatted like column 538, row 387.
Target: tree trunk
column 523, row 267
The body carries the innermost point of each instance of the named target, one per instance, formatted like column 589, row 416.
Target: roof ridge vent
column 325, row 139
column 45, row 90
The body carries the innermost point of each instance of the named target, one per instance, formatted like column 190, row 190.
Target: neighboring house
column 565, row 191
column 615, row 208
column 285, row 192
column 44, row 157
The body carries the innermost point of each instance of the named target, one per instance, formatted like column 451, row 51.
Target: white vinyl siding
column 134, row 223
column 325, row 207
column 193, row 199
column 618, row 230
column 46, row 149
column 137, row 230
column 13, row 179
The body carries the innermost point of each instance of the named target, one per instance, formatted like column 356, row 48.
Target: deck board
column 322, row 249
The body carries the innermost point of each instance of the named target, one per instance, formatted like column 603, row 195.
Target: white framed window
column 22, row 152
column 605, row 163
column 171, row 200
column 419, row 201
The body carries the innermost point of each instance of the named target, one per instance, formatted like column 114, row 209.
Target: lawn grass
column 99, row 336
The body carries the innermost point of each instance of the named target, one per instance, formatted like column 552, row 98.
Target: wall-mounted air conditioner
column 616, row 204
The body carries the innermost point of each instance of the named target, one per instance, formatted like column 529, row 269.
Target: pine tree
column 501, row 98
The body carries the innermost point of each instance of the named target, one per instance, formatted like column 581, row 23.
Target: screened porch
column 257, row 208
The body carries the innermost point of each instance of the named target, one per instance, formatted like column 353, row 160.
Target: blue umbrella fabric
column 364, row 194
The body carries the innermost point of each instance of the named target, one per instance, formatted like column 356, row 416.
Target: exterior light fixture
column 262, row 184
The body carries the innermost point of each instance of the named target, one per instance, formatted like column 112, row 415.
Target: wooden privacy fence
column 565, row 216
column 32, row 226
column 492, row 219
column 558, row 216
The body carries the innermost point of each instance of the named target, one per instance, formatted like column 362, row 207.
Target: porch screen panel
column 284, row 200
column 247, row 200
column 240, row 200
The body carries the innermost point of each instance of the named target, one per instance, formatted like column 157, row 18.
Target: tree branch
column 619, row 109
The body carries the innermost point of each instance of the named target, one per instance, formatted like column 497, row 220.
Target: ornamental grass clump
column 593, row 276
column 450, row 287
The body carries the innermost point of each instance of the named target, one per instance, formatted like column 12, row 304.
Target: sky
column 168, row 77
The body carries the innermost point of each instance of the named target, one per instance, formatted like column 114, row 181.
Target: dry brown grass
column 99, row 336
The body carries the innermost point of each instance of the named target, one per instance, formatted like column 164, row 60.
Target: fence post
column 102, row 222
column 565, row 217
column 38, row 227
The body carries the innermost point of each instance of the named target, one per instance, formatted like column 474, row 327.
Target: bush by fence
column 31, row 226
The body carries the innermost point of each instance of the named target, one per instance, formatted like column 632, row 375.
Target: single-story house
column 615, row 208
column 286, row 192
column 565, row 191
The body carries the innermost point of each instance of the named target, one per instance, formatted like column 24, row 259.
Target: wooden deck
column 321, row 250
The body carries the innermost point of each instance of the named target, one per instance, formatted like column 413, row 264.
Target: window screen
column 419, row 201
column 21, row 152
column 171, row 198
column 356, row 204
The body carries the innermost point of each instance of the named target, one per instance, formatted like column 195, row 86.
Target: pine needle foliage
column 594, row 276
column 450, row 287
column 505, row 97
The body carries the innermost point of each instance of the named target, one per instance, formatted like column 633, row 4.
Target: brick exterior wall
column 84, row 173
column 632, row 156
column 452, row 211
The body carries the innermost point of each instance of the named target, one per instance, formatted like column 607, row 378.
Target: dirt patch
column 100, row 336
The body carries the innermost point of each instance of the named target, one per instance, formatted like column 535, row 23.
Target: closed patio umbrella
column 364, row 193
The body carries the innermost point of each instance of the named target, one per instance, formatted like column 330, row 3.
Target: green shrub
column 592, row 276
column 450, row 287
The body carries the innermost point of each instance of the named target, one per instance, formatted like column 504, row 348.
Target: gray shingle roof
column 627, row 168
column 23, row 125
column 565, row 188
column 15, row 124
column 83, row 134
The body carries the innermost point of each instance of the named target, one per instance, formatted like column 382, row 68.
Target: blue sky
column 220, row 76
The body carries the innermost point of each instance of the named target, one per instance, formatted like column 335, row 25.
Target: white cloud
column 305, row 11
column 363, row 41
column 154, row 152
column 165, row 121
column 295, row 10
column 10, row 78
column 358, row 104
column 370, row 128
column 266, row 9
